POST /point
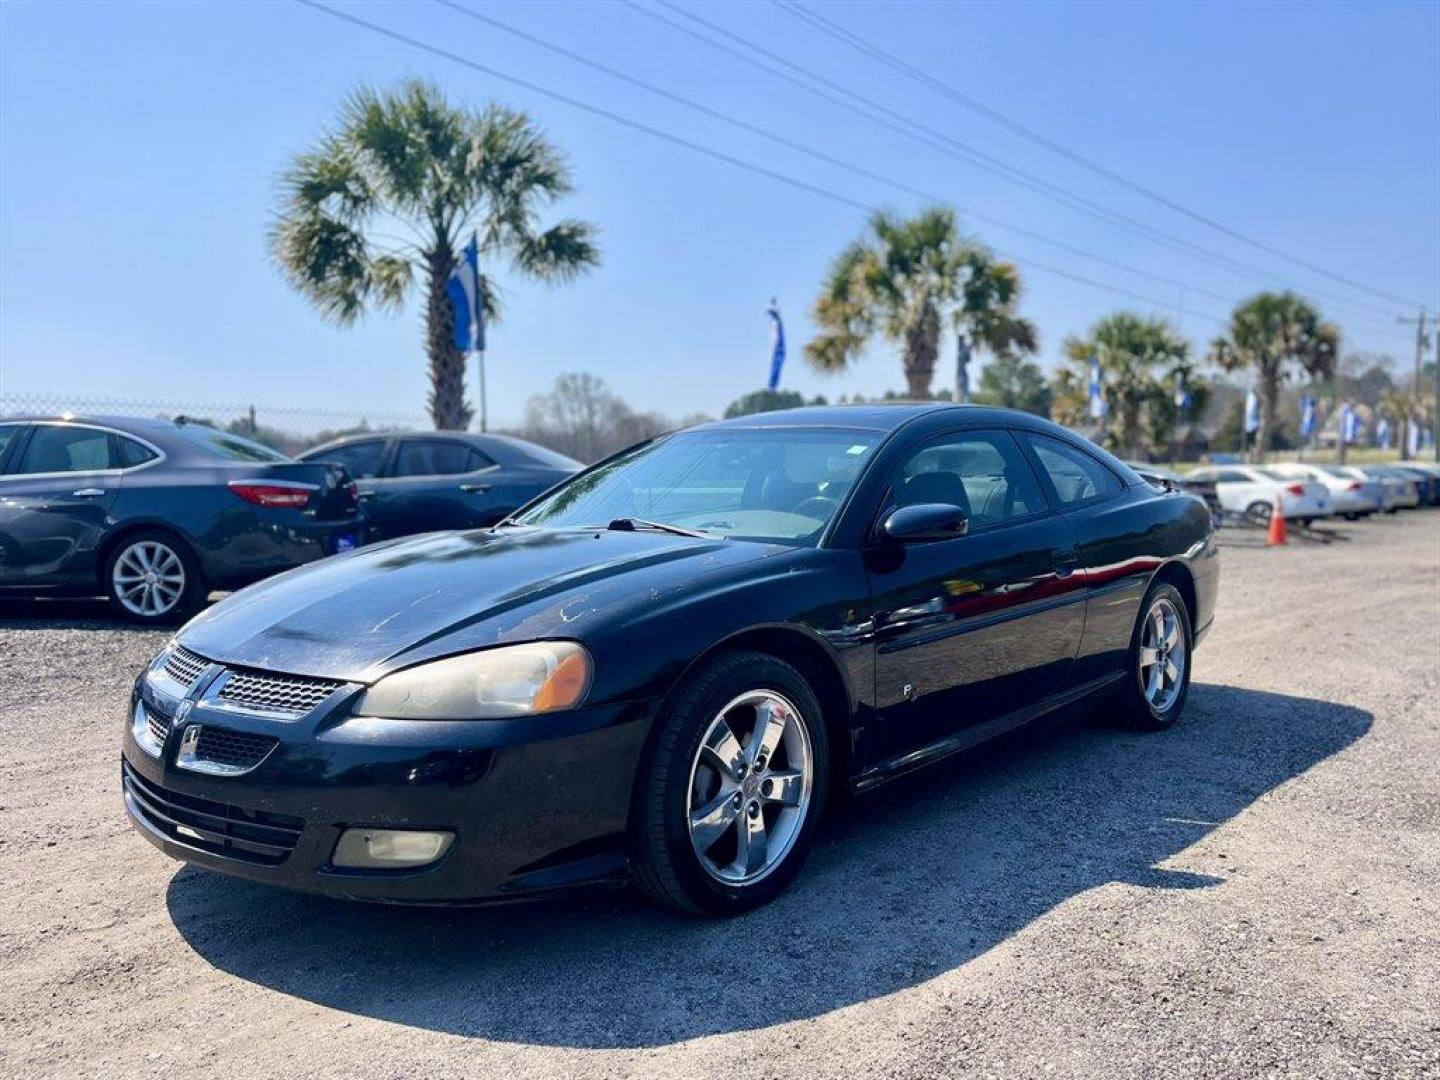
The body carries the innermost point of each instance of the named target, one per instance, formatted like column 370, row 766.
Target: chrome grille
column 159, row 726
column 233, row 749
column 289, row 695
column 184, row 666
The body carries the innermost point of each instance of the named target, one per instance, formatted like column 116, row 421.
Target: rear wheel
column 731, row 791
column 1158, row 679
column 1259, row 511
column 152, row 577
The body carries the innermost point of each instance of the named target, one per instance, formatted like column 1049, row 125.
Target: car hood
column 361, row 615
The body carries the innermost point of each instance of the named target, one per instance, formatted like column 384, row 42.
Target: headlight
column 515, row 680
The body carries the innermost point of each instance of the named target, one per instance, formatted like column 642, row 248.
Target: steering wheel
column 822, row 503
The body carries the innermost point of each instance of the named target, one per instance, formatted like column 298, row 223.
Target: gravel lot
column 1254, row 893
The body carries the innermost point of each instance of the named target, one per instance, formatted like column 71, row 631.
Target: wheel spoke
column 1152, row 688
column 1172, row 632
column 711, row 821
column 722, row 750
column 770, row 721
column 752, row 844
column 1172, row 672
column 783, row 787
column 1148, row 656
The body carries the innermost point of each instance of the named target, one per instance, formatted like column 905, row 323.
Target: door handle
column 88, row 493
column 472, row 489
column 1065, row 562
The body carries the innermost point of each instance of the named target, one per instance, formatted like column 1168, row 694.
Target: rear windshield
column 231, row 447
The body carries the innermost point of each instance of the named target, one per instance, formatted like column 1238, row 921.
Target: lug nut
column 754, row 809
column 760, row 762
column 767, row 788
column 738, row 800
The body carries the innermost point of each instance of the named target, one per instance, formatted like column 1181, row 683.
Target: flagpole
column 480, row 362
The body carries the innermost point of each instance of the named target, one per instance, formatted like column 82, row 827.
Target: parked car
column 156, row 513
column 659, row 670
column 1251, row 491
column 1427, row 480
column 1398, row 490
column 1349, row 496
column 1202, row 489
column 424, row 482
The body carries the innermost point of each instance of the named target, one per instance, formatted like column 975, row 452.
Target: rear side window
column 437, row 457
column 361, row 460
column 133, row 453
column 230, row 447
column 59, row 449
column 1076, row 476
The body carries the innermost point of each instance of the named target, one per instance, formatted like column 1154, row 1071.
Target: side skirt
column 972, row 736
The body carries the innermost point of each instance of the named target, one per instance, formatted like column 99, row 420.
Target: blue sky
column 139, row 145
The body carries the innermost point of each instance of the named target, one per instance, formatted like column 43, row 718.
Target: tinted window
column 225, row 445
column 751, row 484
column 7, row 435
column 55, row 449
column 437, row 457
column 133, row 453
column 1076, row 475
column 361, row 459
column 982, row 472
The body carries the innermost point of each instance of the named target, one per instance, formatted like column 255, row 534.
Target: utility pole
column 1422, row 342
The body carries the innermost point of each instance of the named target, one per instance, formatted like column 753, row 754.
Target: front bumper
column 538, row 805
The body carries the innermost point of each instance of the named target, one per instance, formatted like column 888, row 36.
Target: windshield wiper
column 630, row 524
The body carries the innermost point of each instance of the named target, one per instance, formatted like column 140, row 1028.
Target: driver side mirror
column 923, row 522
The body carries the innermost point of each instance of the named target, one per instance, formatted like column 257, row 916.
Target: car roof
column 883, row 416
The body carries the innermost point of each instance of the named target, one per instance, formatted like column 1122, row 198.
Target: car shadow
column 906, row 883
column 70, row 613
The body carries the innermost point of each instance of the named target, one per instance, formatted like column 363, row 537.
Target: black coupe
column 414, row 482
column 156, row 513
column 660, row 670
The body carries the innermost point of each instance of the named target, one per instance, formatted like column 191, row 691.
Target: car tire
column 178, row 588
column 1260, row 512
column 772, row 791
column 1144, row 705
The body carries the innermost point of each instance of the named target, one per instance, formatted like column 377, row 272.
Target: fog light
column 394, row 849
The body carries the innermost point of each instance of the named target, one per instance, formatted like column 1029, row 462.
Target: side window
column 133, row 453
column 58, row 449
column 1076, row 476
column 433, row 457
column 361, row 459
column 8, row 433
column 982, row 472
column 1230, row 476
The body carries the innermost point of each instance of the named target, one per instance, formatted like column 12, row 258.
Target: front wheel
column 731, row 791
column 1158, row 679
column 152, row 577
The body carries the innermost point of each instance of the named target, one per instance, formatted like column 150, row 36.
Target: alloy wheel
column 148, row 579
column 1162, row 655
column 750, row 787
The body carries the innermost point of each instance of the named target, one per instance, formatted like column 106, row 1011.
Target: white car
column 1251, row 490
column 1349, row 496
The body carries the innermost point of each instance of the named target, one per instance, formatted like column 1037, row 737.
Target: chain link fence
column 286, row 428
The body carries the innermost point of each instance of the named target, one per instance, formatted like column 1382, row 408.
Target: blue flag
column 1182, row 402
column 777, row 343
column 1349, row 424
column 1413, row 439
column 463, row 288
column 1307, row 416
column 1252, row 412
column 1097, row 390
column 1382, row 433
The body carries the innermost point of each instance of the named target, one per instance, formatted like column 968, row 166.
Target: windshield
column 228, row 446
column 747, row 484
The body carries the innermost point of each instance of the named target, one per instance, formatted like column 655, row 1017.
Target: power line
column 840, row 33
column 819, row 155
column 914, row 129
column 678, row 140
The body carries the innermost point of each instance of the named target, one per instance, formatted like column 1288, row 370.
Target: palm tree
column 409, row 160
column 1270, row 335
column 906, row 278
column 1142, row 360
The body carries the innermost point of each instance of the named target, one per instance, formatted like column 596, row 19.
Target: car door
column 55, row 498
column 970, row 630
column 433, row 484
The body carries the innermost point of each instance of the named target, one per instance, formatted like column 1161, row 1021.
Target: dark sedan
column 156, row 513
column 659, row 671
column 425, row 482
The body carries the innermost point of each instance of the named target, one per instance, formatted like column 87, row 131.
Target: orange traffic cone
column 1277, row 525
